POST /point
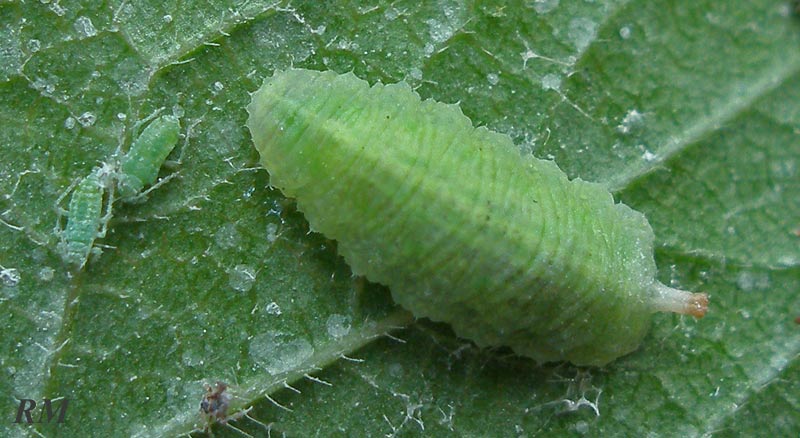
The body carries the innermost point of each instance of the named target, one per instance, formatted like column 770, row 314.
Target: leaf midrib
column 262, row 385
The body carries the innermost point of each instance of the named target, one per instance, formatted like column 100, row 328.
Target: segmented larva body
column 461, row 227
column 85, row 218
column 139, row 167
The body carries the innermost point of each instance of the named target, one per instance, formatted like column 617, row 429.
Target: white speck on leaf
column 87, row 119
column 192, row 358
column 272, row 233
column 273, row 309
column 544, row 6
column 242, row 277
column 46, row 273
column 391, row 13
column 551, row 81
column 279, row 352
column 58, row 9
column 84, row 27
column 632, row 118
column 338, row 325
column 227, row 236
column 582, row 31
column 752, row 281
column 438, row 31
column 9, row 276
column 34, row 45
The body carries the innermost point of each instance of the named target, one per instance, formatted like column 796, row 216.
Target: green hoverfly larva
column 462, row 229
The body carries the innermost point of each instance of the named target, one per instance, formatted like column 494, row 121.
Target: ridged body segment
column 459, row 225
column 84, row 221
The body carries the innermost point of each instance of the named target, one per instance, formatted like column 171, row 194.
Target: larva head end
column 697, row 305
column 672, row 300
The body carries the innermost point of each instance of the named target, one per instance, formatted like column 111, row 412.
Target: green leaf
column 689, row 111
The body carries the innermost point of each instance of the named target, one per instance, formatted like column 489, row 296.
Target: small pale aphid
column 215, row 402
column 86, row 220
column 135, row 170
column 139, row 167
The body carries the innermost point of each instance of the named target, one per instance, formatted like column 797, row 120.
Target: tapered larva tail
column 672, row 300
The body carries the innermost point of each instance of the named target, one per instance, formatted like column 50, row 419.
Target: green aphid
column 86, row 220
column 460, row 226
column 139, row 167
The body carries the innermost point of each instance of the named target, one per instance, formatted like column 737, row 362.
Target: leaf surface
column 688, row 111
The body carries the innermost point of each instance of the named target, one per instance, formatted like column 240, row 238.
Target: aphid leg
column 141, row 197
column 58, row 229
column 98, row 248
column 62, row 211
column 175, row 163
column 109, row 186
column 138, row 125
